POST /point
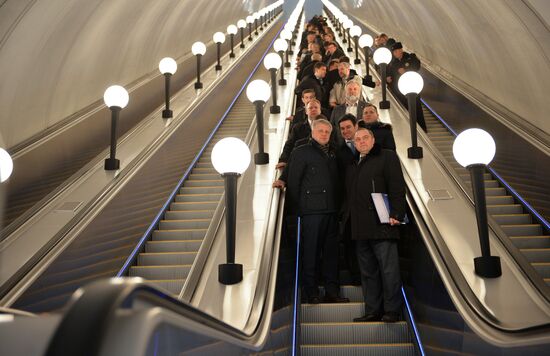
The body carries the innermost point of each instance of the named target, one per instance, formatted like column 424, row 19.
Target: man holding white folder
column 377, row 171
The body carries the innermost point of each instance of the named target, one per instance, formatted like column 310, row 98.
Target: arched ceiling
column 499, row 48
column 57, row 57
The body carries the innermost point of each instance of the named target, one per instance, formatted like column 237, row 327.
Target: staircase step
column 181, row 234
column 201, row 176
column 512, row 219
column 173, row 246
column 406, row 349
column 203, row 183
column 184, row 224
column 204, row 205
column 166, row 258
column 495, row 191
column 202, row 190
column 536, row 254
column 354, row 333
column 522, row 230
column 189, row 214
column 531, row 241
column 338, row 312
column 497, row 200
column 161, row 272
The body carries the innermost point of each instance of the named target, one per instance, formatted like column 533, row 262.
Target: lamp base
column 218, row 67
column 287, row 64
column 230, row 273
column 488, row 266
column 261, row 158
column 275, row 109
column 384, row 104
column 291, row 52
column 232, row 55
column 357, row 61
column 367, row 78
column 241, row 45
column 112, row 164
column 282, row 81
column 198, row 85
column 166, row 114
column 415, row 152
column 350, row 49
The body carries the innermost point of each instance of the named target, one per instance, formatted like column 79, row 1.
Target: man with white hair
column 338, row 91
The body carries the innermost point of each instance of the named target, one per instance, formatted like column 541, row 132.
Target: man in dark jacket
column 383, row 133
column 377, row 171
column 315, row 82
column 313, row 181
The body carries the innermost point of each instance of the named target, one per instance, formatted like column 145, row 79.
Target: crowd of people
column 338, row 153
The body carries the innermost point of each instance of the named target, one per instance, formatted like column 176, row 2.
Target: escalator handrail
column 147, row 235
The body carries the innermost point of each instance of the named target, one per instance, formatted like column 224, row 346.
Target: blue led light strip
column 512, row 191
column 296, row 294
column 130, row 260
column 413, row 323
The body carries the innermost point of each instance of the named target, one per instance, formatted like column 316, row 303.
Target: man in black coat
column 332, row 51
column 315, row 82
column 312, row 186
column 383, row 132
column 377, row 171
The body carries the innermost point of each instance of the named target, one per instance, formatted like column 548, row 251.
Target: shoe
column 390, row 317
column 313, row 300
column 367, row 318
column 335, row 299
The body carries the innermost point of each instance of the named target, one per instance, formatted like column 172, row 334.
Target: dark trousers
column 380, row 279
column 319, row 239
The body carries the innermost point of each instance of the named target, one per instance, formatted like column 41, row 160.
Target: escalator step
column 181, row 234
column 505, row 209
column 202, row 190
column 173, row 246
column 205, row 205
column 184, row 224
column 184, row 198
column 497, row 200
column 168, row 258
column 511, row 219
column 161, row 272
column 536, row 254
column 531, row 241
column 522, row 230
column 173, row 286
column 341, row 313
column 204, row 183
column 358, row 350
column 354, row 333
column 495, row 191
column 543, row 268
column 189, row 214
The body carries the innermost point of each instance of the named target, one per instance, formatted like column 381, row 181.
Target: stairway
column 527, row 235
column 328, row 329
column 168, row 257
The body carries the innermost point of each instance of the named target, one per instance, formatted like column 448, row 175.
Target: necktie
column 351, row 146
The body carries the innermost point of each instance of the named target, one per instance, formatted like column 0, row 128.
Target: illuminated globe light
column 219, row 37
column 474, row 146
column 382, row 55
column 230, row 155
column 272, row 61
column 286, row 35
column 198, row 48
column 232, row 29
column 365, row 40
column 258, row 90
column 6, row 165
column 410, row 82
column 240, row 24
column 280, row 45
column 348, row 24
column 168, row 65
column 249, row 19
column 116, row 96
column 355, row 31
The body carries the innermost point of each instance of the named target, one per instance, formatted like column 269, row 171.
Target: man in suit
column 338, row 92
column 332, row 51
column 313, row 184
column 300, row 114
column 353, row 105
column 376, row 171
column 315, row 82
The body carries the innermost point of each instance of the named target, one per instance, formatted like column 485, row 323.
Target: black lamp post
column 232, row 31
column 365, row 41
column 168, row 67
column 287, row 35
column 230, row 157
column 255, row 17
column 258, row 93
column 280, row 47
column 272, row 62
column 249, row 20
column 410, row 84
column 198, row 49
column 355, row 32
column 116, row 98
column 241, row 24
column 218, row 38
column 347, row 25
column 382, row 56
column 474, row 149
